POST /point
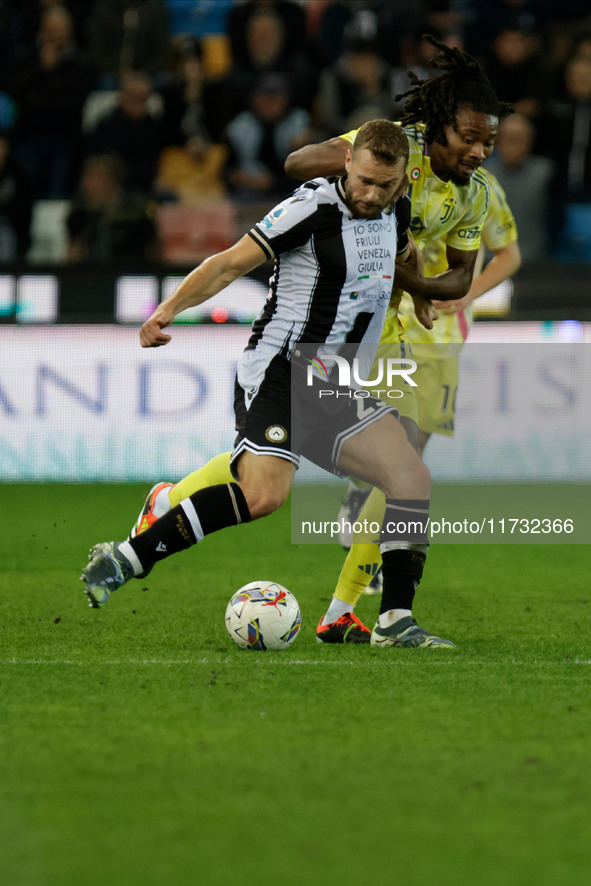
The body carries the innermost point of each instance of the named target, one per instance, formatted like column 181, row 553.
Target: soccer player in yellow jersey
column 451, row 121
column 436, row 352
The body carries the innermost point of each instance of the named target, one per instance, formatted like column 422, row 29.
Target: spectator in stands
column 293, row 26
column 261, row 138
column 131, row 131
column 566, row 139
column 190, row 102
column 106, row 221
column 191, row 163
column 49, row 86
column 15, row 206
column 514, row 68
column 31, row 12
column 379, row 21
column 191, row 173
column 359, row 79
column 567, row 130
column 266, row 51
column 528, row 179
column 127, row 35
column 484, row 19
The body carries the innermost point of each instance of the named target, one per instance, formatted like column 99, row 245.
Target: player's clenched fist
column 151, row 334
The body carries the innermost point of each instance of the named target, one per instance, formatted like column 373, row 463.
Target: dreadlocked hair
column 436, row 100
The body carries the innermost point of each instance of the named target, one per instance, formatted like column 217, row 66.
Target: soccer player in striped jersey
column 312, row 236
column 451, row 122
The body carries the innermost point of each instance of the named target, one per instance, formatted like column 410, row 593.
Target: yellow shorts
column 399, row 393
column 437, row 386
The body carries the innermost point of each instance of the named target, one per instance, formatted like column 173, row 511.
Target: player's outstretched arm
column 324, row 159
column 212, row 275
column 504, row 263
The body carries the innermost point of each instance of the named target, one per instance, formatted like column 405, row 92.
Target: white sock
column 128, row 552
column 385, row 619
column 336, row 609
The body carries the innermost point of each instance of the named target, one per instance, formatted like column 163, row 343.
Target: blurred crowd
column 114, row 110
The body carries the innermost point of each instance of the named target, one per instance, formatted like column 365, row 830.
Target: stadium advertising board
column 88, row 404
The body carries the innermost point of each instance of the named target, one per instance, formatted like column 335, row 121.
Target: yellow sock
column 363, row 560
column 217, row 470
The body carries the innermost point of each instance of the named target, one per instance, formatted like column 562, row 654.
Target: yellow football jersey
column 441, row 213
column 499, row 227
column 499, row 230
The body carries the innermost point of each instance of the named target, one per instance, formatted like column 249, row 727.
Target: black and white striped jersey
column 333, row 273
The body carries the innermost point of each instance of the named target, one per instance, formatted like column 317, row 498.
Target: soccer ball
column 263, row 615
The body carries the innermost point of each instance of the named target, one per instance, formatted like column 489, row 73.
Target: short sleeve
column 350, row 136
column 499, row 227
column 467, row 233
column 289, row 224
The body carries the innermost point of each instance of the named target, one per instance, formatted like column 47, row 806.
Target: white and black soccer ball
column 263, row 615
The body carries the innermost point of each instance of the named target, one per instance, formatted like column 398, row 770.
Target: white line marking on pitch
column 393, row 660
column 197, row 661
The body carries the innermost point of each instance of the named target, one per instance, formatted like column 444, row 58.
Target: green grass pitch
column 139, row 747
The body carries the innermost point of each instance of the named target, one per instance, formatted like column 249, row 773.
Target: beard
column 461, row 180
column 359, row 211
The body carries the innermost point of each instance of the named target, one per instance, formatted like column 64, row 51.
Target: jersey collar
column 340, row 188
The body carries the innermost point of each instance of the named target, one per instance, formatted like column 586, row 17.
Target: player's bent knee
column 420, row 475
column 413, row 482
